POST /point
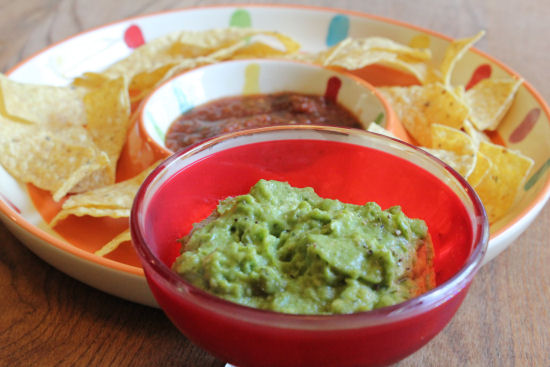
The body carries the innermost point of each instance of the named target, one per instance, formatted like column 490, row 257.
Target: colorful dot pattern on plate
column 338, row 29
column 526, row 126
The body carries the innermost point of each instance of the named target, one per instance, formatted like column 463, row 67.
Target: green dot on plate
column 537, row 175
column 240, row 18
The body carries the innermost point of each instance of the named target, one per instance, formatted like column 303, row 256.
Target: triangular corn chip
column 41, row 104
column 454, row 52
column 489, row 100
column 50, row 157
column 114, row 243
column 109, row 201
column 461, row 163
column 108, row 117
column 418, row 107
column 481, row 169
column 499, row 188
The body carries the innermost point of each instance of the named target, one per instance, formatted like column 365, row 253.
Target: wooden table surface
column 50, row 319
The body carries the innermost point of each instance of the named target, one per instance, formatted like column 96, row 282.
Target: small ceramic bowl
column 351, row 165
column 249, row 77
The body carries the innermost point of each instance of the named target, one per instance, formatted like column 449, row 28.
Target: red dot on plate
column 133, row 37
column 12, row 205
column 333, row 87
column 525, row 126
column 480, row 73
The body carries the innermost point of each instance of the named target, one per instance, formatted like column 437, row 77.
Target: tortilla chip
column 448, row 138
column 220, row 44
column 460, row 91
column 109, row 201
column 353, row 48
column 51, row 157
column 85, row 130
column 462, row 147
column 499, row 188
column 355, row 54
column 169, row 55
column 107, row 116
column 489, row 100
column 457, row 142
column 418, row 107
column 114, row 243
column 481, row 169
column 420, row 70
column 68, row 139
column 463, row 164
column 454, row 52
column 90, row 80
column 177, row 47
column 263, row 45
column 143, row 83
column 40, row 104
column 148, row 58
column 476, row 135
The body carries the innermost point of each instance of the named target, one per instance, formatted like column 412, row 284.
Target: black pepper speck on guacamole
column 286, row 249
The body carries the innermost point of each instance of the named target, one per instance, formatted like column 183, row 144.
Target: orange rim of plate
column 67, row 247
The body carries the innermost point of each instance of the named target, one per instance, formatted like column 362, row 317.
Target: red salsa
column 246, row 112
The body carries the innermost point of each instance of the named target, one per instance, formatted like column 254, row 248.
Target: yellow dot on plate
column 420, row 41
column 252, row 79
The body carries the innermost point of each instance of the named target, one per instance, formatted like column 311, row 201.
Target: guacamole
column 286, row 249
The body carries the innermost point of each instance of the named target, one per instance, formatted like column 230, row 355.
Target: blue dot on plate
column 183, row 102
column 338, row 29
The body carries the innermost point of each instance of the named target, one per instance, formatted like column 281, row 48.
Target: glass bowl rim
column 423, row 303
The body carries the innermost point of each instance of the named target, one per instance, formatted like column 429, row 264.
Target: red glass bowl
column 346, row 164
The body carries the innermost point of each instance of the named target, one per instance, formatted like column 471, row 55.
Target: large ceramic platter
column 24, row 211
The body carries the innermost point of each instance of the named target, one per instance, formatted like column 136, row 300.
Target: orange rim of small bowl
column 19, row 220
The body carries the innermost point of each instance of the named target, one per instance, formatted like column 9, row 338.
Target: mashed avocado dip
column 286, row 249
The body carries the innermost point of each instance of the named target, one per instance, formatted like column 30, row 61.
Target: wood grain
column 49, row 319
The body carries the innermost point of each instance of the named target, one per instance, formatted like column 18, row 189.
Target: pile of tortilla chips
column 447, row 120
column 450, row 122
column 68, row 140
